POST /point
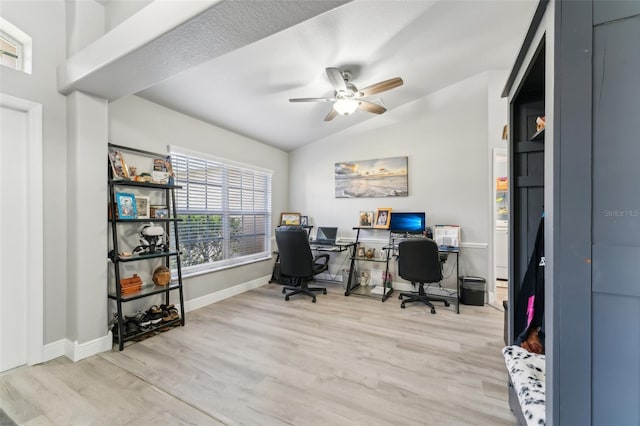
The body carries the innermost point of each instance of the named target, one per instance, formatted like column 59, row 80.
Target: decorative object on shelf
column 162, row 170
column 142, row 207
column 505, row 132
column 365, row 220
column 161, row 213
column 304, row 220
column 118, row 166
column 365, row 278
column 383, row 218
column 383, row 177
column 126, row 205
column 161, row 276
column 153, row 209
column 290, row 219
column 152, row 239
column 361, row 252
column 130, row 285
column 370, row 253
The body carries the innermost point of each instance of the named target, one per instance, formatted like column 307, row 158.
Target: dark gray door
column 616, row 223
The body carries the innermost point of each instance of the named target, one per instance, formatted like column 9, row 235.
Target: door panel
column 616, row 223
column 13, row 240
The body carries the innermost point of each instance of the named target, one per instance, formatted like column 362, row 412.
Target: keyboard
column 323, row 242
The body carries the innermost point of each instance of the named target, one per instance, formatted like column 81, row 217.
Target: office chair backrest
column 296, row 258
column 419, row 261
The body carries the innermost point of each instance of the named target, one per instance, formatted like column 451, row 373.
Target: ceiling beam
column 166, row 38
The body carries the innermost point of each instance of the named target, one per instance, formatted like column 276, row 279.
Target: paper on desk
column 447, row 235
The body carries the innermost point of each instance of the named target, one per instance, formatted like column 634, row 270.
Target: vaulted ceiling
column 245, row 88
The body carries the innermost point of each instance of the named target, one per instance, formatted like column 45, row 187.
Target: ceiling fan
column 347, row 98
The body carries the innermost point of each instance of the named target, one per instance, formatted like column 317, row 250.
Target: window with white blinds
column 225, row 209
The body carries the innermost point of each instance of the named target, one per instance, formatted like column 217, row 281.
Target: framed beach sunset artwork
column 383, row 177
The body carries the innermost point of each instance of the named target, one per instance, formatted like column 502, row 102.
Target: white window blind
column 226, row 211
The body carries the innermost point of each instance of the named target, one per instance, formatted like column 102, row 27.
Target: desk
column 338, row 247
column 354, row 287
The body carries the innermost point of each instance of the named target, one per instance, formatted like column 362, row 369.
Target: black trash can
column 473, row 289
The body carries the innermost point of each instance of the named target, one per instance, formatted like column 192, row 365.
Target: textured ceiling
column 429, row 44
column 236, row 63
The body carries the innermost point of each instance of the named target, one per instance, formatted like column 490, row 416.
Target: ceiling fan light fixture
column 346, row 106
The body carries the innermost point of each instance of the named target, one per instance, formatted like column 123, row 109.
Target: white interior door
column 14, row 254
column 21, row 233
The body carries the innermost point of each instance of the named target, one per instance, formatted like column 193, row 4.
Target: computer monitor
column 408, row 222
column 326, row 234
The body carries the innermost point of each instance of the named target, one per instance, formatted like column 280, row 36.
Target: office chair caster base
column 286, row 298
column 447, row 304
column 400, row 296
column 324, row 291
column 402, row 306
column 284, row 290
column 313, row 300
column 433, row 310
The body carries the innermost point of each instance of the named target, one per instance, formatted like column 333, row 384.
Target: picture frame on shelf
column 119, row 168
column 290, row 219
column 383, row 218
column 126, row 205
column 161, row 213
column 361, row 252
column 365, row 220
column 304, row 220
column 142, row 207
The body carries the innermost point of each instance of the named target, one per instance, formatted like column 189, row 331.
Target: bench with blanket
column 526, row 373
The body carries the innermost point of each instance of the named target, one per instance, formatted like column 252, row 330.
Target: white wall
column 138, row 123
column 35, row 18
column 117, row 11
column 444, row 136
column 85, row 24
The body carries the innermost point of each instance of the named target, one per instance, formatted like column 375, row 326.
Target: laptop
column 326, row 235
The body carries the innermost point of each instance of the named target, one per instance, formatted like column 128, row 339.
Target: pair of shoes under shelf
column 169, row 313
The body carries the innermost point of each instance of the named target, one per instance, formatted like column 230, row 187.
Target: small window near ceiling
column 10, row 51
column 15, row 47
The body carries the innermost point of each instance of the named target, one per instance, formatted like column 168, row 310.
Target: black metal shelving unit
column 170, row 225
column 353, row 286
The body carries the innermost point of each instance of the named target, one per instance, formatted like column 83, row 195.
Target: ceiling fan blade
column 381, row 87
column 371, row 107
column 336, row 79
column 312, row 100
column 332, row 114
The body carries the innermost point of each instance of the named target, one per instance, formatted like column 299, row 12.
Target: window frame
column 23, row 43
column 226, row 164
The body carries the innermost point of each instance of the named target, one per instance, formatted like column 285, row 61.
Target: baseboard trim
column 201, row 302
column 76, row 351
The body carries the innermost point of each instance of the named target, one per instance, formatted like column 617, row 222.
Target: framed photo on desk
column 365, row 220
column 383, row 218
column 290, row 219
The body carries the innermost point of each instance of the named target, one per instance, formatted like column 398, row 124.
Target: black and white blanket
column 527, row 375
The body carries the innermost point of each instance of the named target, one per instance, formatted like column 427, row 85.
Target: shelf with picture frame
column 354, row 284
column 130, row 201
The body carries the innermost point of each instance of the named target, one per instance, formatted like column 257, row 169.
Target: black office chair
column 297, row 261
column 419, row 262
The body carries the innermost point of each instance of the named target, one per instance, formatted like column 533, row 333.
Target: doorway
column 21, row 245
column 501, row 222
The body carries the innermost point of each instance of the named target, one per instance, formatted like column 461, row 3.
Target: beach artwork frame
column 378, row 178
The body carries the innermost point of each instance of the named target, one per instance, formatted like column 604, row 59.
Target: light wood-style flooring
column 255, row 359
